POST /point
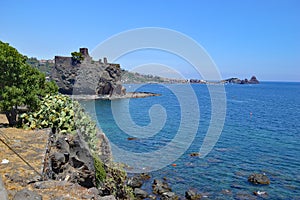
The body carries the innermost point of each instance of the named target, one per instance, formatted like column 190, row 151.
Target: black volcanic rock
column 192, row 195
column 135, row 182
column 71, row 161
column 253, row 80
column 140, row 194
column 233, row 80
column 87, row 77
column 261, row 179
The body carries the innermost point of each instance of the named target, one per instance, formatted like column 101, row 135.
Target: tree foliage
column 20, row 84
column 77, row 57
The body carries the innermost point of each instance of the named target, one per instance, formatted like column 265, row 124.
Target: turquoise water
column 261, row 134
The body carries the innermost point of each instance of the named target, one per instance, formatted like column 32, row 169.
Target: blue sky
column 243, row 37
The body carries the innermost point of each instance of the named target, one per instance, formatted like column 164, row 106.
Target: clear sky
column 243, row 37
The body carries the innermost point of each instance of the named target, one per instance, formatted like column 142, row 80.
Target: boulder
column 259, row 179
column 70, row 160
column 160, row 187
column 145, row 176
column 140, row 194
column 169, row 196
column 135, row 182
column 103, row 147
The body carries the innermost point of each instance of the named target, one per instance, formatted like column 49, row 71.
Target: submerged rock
column 192, row 195
column 132, row 138
column 244, row 196
column 194, row 154
column 259, row 179
column 226, row 192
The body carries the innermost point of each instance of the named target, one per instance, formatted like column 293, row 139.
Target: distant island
column 253, row 80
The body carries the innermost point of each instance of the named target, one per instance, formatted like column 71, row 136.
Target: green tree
column 76, row 57
column 20, row 84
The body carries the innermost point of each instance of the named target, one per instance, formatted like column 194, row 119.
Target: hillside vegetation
column 134, row 77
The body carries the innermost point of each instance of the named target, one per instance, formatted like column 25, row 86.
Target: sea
column 259, row 132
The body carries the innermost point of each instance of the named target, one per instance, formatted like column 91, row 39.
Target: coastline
column 128, row 95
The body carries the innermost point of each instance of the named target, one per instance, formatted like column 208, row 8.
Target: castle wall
column 63, row 61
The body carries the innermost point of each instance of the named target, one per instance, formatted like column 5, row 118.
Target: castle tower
column 84, row 52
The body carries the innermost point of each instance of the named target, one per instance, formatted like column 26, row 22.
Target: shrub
column 100, row 171
column 64, row 114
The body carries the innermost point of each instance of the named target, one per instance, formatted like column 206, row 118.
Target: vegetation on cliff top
column 77, row 57
column 137, row 78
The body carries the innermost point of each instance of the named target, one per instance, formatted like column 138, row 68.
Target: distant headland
column 252, row 80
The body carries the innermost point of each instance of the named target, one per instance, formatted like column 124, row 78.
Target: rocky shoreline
column 114, row 97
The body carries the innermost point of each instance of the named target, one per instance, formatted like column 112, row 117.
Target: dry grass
column 30, row 145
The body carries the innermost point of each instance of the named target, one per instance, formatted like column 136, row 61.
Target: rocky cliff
column 83, row 75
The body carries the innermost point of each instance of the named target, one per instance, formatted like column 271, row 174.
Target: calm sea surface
column 261, row 134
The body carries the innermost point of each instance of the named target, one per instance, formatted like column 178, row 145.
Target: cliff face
column 87, row 77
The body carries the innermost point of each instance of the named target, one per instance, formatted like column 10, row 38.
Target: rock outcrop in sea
column 253, row 80
column 84, row 76
column 259, row 179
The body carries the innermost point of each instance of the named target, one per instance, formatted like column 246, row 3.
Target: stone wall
column 88, row 77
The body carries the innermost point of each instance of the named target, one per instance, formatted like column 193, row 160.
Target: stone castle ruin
column 86, row 76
